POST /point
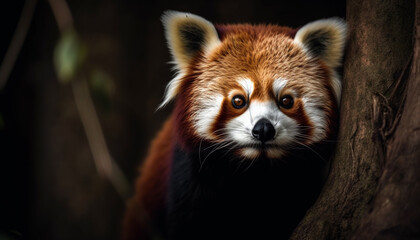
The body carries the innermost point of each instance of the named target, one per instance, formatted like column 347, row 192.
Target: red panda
column 254, row 121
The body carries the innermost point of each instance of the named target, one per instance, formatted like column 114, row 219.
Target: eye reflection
column 286, row 102
column 238, row 101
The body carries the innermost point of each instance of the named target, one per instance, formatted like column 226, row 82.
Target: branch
column 17, row 41
column 62, row 14
column 104, row 163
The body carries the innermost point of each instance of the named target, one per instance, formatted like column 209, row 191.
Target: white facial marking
column 317, row 117
column 240, row 128
column 250, row 153
column 209, row 109
column 278, row 85
column 247, row 85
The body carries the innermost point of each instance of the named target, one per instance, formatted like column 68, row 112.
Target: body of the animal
column 255, row 118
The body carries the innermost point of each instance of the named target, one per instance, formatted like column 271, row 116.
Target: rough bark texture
column 395, row 213
column 373, row 191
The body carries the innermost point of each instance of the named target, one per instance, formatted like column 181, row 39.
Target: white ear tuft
column 187, row 35
column 171, row 91
column 324, row 39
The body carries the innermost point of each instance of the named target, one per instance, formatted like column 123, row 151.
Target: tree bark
column 395, row 213
column 373, row 191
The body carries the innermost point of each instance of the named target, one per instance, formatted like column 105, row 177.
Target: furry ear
column 187, row 35
column 324, row 39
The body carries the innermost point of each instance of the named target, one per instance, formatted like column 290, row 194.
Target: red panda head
column 259, row 90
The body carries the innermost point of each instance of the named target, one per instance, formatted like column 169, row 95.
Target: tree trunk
column 373, row 191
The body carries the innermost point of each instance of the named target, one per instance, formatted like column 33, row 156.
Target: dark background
column 49, row 186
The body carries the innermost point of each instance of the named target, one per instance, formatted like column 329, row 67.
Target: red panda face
column 255, row 90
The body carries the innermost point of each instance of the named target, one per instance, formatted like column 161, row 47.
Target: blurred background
column 50, row 185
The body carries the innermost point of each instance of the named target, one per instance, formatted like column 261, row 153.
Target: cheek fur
column 226, row 114
column 250, row 153
column 206, row 114
column 298, row 113
column 239, row 129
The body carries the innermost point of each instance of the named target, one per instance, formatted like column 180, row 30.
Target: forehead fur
column 262, row 54
column 224, row 30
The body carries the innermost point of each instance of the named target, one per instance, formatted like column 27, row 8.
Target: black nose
column 263, row 130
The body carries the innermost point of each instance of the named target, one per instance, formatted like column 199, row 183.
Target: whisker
column 250, row 164
column 216, row 147
column 250, row 117
column 241, row 162
column 199, row 151
column 312, row 150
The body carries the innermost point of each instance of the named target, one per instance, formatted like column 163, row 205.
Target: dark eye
column 238, row 101
column 286, row 102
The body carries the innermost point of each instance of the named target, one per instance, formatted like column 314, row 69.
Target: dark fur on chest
column 228, row 198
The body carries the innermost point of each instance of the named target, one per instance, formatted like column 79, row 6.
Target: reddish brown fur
column 261, row 53
column 331, row 105
column 148, row 201
column 224, row 30
column 226, row 113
